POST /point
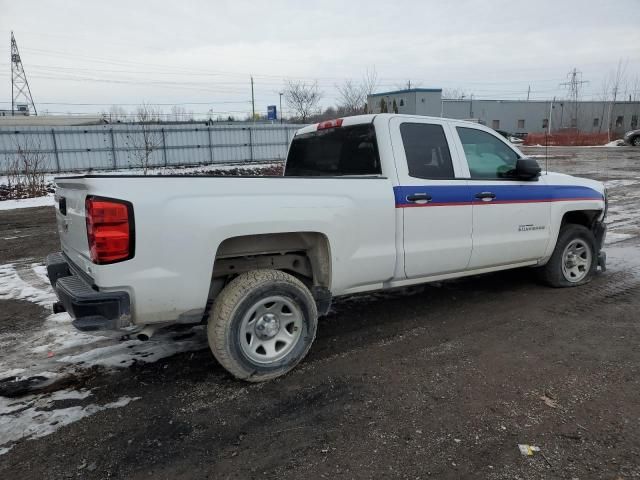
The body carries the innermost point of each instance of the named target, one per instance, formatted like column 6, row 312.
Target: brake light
column 330, row 124
column 109, row 230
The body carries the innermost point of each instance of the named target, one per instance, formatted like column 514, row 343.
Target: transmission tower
column 20, row 91
column 574, row 84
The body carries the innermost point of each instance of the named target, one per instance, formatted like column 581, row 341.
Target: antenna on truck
column 546, row 138
column 546, row 154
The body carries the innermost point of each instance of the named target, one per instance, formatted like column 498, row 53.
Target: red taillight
column 330, row 124
column 109, row 229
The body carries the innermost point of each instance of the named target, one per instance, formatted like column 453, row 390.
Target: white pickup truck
column 366, row 203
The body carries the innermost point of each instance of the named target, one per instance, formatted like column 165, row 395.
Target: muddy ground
column 440, row 381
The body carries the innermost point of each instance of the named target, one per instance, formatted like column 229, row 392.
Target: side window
column 488, row 156
column 427, row 151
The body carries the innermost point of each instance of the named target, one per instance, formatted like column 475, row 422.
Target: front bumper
column 91, row 309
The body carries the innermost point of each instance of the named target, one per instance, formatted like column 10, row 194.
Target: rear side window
column 334, row 152
column 427, row 151
column 488, row 157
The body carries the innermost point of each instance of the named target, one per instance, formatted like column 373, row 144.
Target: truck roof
column 360, row 119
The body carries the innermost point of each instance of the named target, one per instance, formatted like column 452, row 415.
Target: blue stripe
column 462, row 194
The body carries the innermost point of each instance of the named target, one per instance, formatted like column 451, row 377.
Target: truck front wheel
column 574, row 259
column 262, row 324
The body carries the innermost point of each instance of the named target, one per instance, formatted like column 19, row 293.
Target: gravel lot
column 439, row 381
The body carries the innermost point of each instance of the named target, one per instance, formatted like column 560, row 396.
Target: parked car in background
column 515, row 138
column 632, row 138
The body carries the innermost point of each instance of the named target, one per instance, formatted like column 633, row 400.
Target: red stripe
column 493, row 202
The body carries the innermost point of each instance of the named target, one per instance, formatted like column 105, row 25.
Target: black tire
column 234, row 306
column 636, row 141
column 552, row 273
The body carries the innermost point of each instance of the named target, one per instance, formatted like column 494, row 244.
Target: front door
column 436, row 217
column 510, row 217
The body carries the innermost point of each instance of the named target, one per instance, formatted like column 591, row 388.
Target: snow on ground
column 552, row 156
column 613, row 143
column 57, row 346
column 25, row 282
column 46, row 201
column 36, row 416
column 55, row 349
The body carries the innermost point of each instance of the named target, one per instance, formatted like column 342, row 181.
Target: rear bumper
column 90, row 309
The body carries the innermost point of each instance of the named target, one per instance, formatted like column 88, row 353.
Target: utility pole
column 528, row 92
column 281, row 93
column 574, row 84
column 550, row 114
column 19, row 85
column 253, row 103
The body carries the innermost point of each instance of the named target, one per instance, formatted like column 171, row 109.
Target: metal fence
column 109, row 147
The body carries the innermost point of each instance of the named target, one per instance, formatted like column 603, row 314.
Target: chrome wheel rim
column 576, row 261
column 270, row 329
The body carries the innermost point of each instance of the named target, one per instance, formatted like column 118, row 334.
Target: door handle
column 419, row 197
column 486, row 196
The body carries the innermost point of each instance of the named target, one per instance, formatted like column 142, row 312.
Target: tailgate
column 70, row 217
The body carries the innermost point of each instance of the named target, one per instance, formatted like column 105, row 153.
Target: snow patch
column 56, row 348
column 46, row 201
column 124, row 354
column 34, row 416
column 613, row 143
column 14, row 285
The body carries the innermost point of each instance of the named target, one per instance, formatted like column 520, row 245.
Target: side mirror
column 527, row 169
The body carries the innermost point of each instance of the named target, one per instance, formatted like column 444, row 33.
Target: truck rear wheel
column 262, row 324
column 574, row 259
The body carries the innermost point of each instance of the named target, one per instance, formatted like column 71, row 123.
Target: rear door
column 510, row 217
column 436, row 215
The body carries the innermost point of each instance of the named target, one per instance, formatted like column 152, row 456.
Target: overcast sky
column 201, row 53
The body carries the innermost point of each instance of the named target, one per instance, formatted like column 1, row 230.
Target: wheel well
column 585, row 218
column 302, row 254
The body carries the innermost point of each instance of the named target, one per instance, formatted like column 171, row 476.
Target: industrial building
column 515, row 116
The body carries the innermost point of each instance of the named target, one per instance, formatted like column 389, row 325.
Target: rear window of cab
column 332, row 152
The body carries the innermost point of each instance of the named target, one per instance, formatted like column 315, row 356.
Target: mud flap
column 602, row 261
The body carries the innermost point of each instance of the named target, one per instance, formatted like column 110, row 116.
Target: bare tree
column 25, row 169
column 454, row 93
column 146, row 139
column 115, row 114
column 618, row 80
column 180, row 114
column 302, row 98
column 604, row 97
column 353, row 97
column 635, row 89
